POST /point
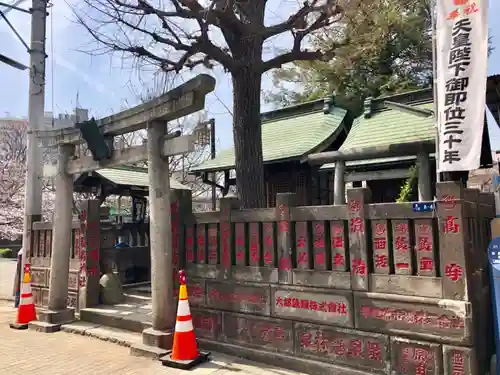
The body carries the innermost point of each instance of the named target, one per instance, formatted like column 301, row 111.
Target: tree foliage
column 387, row 49
column 178, row 34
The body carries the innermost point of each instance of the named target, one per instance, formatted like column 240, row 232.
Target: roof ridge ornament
column 368, row 107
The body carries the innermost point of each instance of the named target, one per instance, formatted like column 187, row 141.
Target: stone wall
column 384, row 288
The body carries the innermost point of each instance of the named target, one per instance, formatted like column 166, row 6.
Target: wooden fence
column 370, row 287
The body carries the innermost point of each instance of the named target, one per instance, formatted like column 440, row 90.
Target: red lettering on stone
column 319, row 243
column 304, row 304
column 373, row 351
column 380, row 243
column 338, row 242
column 254, row 254
column 426, row 264
column 268, row 258
column 357, row 225
column 337, row 230
column 338, row 347
column 268, row 241
column 279, row 333
column 301, row 243
column 93, row 271
column 321, row 342
column 424, row 244
column 380, row 229
column 303, row 258
column 338, row 260
column 319, row 259
column 402, row 228
column 306, row 340
column 401, row 243
column 226, row 235
column 279, row 301
column 381, row 261
column 240, row 255
column 240, row 241
column 285, row 264
column 450, row 226
column 355, row 349
column 449, row 202
column 402, row 265
column 453, row 271
column 457, row 363
column 283, row 226
column 354, row 205
column 359, row 267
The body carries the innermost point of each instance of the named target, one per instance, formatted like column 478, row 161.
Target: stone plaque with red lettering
column 207, row 324
column 338, row 243
column 239, row 297
column 302, row 245
column 213, row 243
column 319, row 246
column 201, row 243
column 424, row 245
column 452, row 325
column 332, row 307
column 265, row 334
column 380, row 246
column 255, row 243
column 415, row 357
column 401, row 246
column 459, row 361
column 269, row 245
column 365, row 351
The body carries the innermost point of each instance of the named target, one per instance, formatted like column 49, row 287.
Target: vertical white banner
column 462, row 68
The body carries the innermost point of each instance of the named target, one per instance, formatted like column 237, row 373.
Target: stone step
column 115, row 335
column 115, row 319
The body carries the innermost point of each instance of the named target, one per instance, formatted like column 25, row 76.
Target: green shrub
column 7, row 253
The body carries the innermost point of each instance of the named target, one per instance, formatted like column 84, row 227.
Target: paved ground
column 7, row 273
column 25, row 352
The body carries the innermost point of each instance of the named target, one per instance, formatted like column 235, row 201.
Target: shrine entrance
column 66, row 255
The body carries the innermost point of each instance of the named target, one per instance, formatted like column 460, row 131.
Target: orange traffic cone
column 26, row 310
column 185, row 353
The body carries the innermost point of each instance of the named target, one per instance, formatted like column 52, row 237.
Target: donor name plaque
column 334, row 309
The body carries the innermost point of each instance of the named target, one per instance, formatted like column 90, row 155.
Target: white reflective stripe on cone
column 25, row 288
column 186, row 326
column 26, row 300
column 183, row 308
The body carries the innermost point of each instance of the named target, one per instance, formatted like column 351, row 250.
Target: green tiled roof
column 289, row 137
column 133, row 176
column 385, row 127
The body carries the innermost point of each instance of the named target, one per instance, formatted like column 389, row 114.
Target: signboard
column 462, row 50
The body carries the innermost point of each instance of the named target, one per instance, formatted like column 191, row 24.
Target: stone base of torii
column 153, row 116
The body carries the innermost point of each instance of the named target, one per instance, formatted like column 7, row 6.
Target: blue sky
column 105, row 86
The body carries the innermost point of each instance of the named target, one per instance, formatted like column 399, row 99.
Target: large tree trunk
column 247, row 135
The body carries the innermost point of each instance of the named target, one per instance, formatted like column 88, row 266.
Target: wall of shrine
column 384, row 288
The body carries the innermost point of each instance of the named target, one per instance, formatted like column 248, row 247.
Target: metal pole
column 34, row 166
column 434, row 83
column 212, row 156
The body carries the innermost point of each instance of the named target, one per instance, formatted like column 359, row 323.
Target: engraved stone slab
column 39, row 276
column 415, row 357
column 424, row 320
column 72, row 300
column 207, row 324
column 332, row 307
column 45, row 296
column 73, row 280
column 366, row 351
column 37, row 296
column 263, row 333
column 459, row 361
column 239, row 297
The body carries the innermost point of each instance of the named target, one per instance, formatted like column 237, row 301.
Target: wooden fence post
column 360, row 260
column 284, row 243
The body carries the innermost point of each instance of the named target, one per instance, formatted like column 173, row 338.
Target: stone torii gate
column 153, row 116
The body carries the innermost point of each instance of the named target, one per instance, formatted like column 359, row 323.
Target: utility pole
column 34, row 162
